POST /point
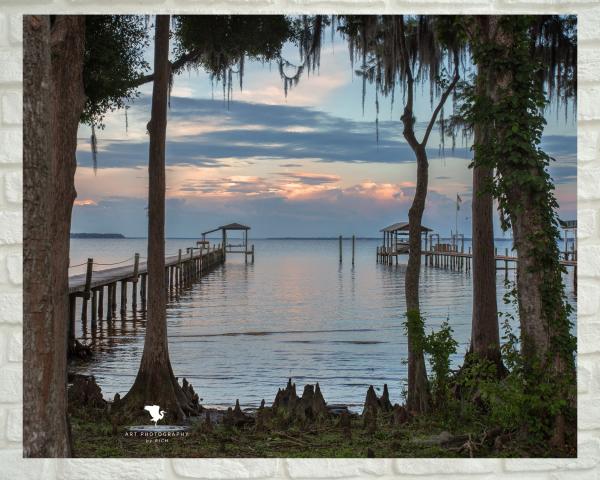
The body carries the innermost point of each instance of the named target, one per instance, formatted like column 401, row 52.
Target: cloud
column 204, row 133
column 85, row 202
column 226, row 163
column 291, row 165
column 310, row 178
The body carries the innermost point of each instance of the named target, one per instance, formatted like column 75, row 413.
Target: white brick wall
column 12, row 466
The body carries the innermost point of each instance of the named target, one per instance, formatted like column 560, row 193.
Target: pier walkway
column 181, row 271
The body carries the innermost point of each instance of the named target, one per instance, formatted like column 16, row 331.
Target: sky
column 305, row 165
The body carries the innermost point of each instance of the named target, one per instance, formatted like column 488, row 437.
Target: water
column 244, row 329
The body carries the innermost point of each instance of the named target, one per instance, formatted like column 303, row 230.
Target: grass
column 94, row 436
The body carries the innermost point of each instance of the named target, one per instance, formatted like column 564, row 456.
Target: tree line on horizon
column 79, row 68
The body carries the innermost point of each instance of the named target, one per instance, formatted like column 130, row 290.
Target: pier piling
column 179, row 273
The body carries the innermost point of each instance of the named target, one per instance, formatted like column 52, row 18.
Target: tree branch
column 407, row 117
column 175, row 67
column 443, row 99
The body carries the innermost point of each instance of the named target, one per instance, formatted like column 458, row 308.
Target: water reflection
column 242, row 330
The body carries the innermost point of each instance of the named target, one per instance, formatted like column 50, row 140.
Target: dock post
column 177, row 281
column 109, row 302
column 114, row 299
column 101, row 303
column 87, row 288
column 134, row 295
column 340, row 241
column 136, row 265
column 496, row 258
column 353, row 248
column 171, row 280
column 143, row 291
column 94, row 307
column 123, row 297
column 72, row 306
column 505, row 264
column 252, row 253
column 469, row 261
column 462, row 251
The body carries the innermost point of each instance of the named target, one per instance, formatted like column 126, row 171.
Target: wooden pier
column 452, row 256
column 181, row 271
column 449, row 257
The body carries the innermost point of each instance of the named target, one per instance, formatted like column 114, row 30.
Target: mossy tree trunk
column 485, row 336
column 513, row 115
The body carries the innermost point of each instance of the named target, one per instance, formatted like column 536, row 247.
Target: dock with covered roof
column 229, row 247
column 454, row 256
column 395, row 242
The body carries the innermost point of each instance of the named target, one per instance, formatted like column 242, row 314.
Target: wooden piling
column 123, row 297
column 101, row 303
column 340, row 242
column 94, row 307
column 143, row 291
column 113, row 306
column 134, row 295
column 353, row 247
column 72, row 307
column 109, row 302
column 87, row 288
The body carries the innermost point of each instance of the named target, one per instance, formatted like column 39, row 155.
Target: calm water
column 244, row 329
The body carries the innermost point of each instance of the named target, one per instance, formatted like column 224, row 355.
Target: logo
column 154, row 433
column 155, row 412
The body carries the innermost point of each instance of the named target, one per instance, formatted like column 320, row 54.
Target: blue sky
column 305, row 165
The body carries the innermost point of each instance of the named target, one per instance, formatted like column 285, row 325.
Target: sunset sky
column 305, row 165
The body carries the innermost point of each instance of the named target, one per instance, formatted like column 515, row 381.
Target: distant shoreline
column 97, row 235
column 345, row 237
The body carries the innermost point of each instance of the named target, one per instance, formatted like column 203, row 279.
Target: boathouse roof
column 402, row 227
column 234, row 226
column 229, row 226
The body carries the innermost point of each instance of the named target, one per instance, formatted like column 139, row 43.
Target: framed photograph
column 300, row 236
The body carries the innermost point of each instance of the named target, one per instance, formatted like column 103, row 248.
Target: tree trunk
column 418, row 386
column 155, row 382
column 45, row 426
column 68, row 100
column 418, row 398
column 545, row 337
column 485, row 337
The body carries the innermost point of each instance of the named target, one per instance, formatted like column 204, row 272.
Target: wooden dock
column 181, row 271
column 447, row 256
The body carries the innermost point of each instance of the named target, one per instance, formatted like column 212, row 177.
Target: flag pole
column 456, row 219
